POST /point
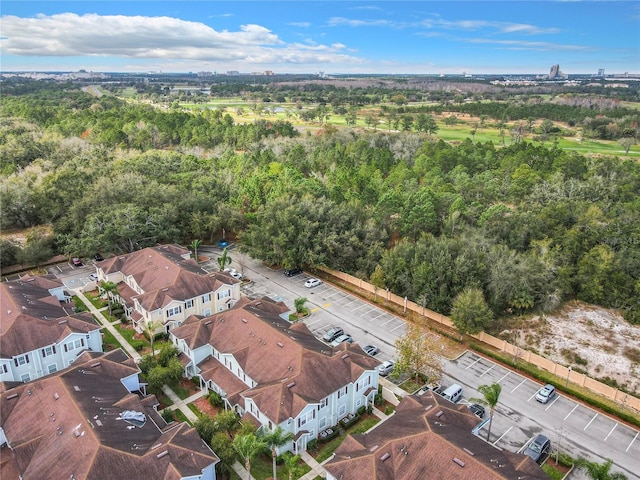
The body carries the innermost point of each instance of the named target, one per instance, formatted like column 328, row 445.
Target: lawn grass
column 554, row 473
column 108, row 340
column 181, row 417
column 262, row 468
column 194, row 409
column 331, row 446
column 95, row 299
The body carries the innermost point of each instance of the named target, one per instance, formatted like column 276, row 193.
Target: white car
column 341, row 339
column 386, row 368
column 234, row 273
column 312, row 282
column 93, row 277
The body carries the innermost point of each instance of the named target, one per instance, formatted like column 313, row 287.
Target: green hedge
column 547, row 377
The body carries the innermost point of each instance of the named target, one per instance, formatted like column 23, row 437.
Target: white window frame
column 48, row 351
column 22, row 360
column 224, row 294
column 52, row 370
column 188, row 304
column 206, row 298
column 25, row 377
column 342, row 409
column 174, row 311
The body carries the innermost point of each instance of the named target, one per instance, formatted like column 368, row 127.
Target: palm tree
column 247, row 446
column 291, row 464
column 299, row 304
column 276, row 439
column 151, row 328
column 194, row 246
column 109, row 289
column 224, row 260
column 491, row 395
column 599, row 471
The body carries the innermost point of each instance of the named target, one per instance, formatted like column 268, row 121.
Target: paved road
column 571, row 426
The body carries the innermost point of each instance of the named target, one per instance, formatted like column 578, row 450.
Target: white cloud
column 528, row 45
column 300, row 24
column 163, row 38
column 352, row 22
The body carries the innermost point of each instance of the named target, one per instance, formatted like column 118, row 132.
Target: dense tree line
column 527, row 226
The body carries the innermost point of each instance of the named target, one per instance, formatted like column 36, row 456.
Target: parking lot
column 571, row 426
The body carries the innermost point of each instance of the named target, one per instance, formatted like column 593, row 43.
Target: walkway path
column 106, row 324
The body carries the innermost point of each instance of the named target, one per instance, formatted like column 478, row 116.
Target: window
column 52, row 368
column 188, row 304
column 47, row 351
column 359, row 402
column 74, row 344
column 323, row 423
column 343, row 391
column 21, row 360
column 206, row 298
column 324, row 402
column 4, row 368
column 304, row 419
column 174, row 311
column 224, row 294
column 25, row 377
column 342, row 410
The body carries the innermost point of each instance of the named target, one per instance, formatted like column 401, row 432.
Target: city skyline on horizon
column 306, row 37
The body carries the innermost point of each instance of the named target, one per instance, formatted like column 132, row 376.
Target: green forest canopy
column 530, row 226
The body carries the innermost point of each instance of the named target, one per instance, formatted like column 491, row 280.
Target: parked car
column 93, row 277
column 538, row 449
column 222, row 243
column 76, row 262
column 312, row 282
column 234, row 273
column 370, row 350
column 332, row 334
column 546, row 393
column 292, row 272
column 98, row 258
column 477, row 410
column 453, row 393
column 345, row 337
column 386, row 368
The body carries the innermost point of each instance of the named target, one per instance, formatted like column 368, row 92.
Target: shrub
column 361, row 410
column 79, row 305
column 137, row 345
column 167, row 415
column 388, row 410
column 313, row 445
column 215, row 399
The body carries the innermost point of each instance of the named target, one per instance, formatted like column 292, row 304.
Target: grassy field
column 451, row 133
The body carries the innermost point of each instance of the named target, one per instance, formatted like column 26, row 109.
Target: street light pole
column 568, row 374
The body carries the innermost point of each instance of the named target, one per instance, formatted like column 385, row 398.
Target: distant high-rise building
column 601, row 72
column 555, row 71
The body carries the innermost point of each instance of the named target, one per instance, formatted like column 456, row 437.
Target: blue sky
column 303, row 36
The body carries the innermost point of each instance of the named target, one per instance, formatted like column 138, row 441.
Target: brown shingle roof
column 70, row 424
column 32, row 318
column 163, row 275
column 421, row 440
column 275, row 354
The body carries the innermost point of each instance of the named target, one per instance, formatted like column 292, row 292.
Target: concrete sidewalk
column 105, row 323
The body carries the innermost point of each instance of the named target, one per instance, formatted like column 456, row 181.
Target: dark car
column 370, row 350
column 538, row 449
column 98, row 258
column 477, row 410
column 332, row 334
column 292, row 272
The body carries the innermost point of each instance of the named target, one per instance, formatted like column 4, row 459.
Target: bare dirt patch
column 589, row 339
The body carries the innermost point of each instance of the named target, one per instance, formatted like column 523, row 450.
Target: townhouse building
column 92, row 422
column 274, row 372
column 427, row 437
column 39, row 331
column 165, row 286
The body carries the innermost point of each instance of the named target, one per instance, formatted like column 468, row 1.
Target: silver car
column 546, row 393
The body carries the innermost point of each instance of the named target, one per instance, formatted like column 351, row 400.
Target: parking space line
column 388, row 321
column 383, row 313
column 587, row 425
column 473, row 363
column 504, row 376
column 487, row 370
column 517, row 386
column 349, row 303
column 361, row 306
column 570, row 412
column 611, row 431
column 500, row 438
column 399, row 326
column 634, row 439
column 338, row 292
column 551, row 404
column 314, row 322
